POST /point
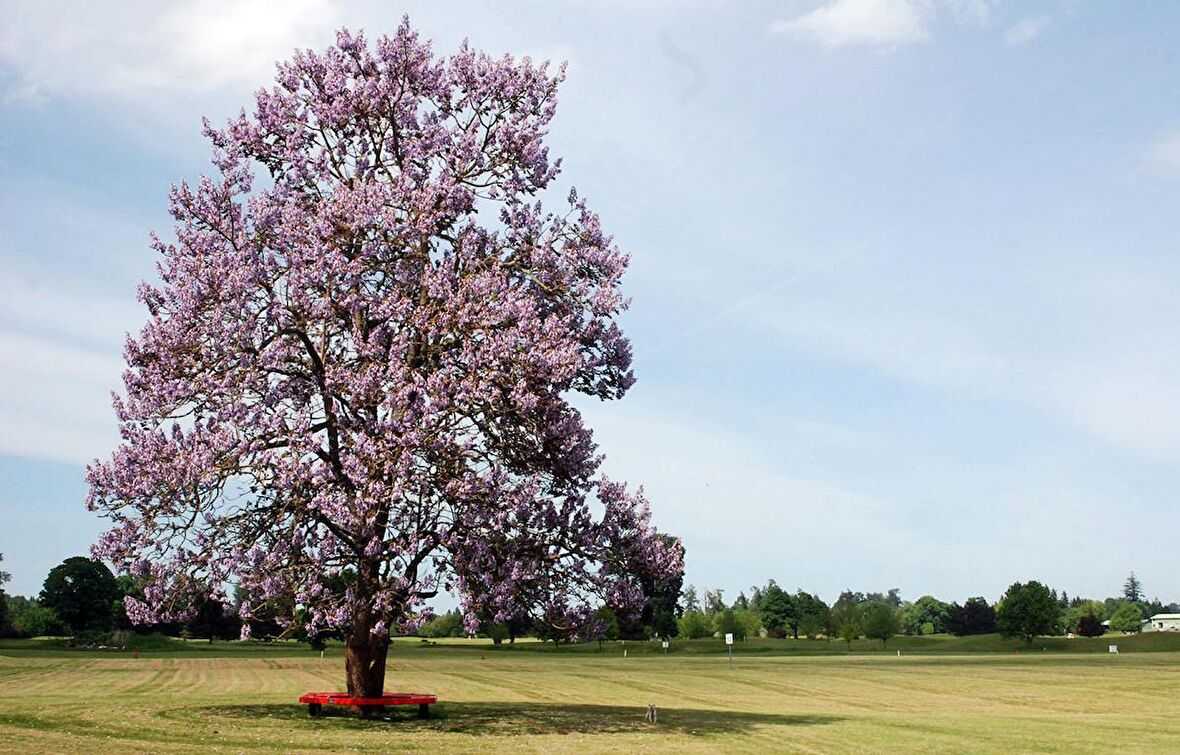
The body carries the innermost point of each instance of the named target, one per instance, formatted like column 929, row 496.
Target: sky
column 903, row 271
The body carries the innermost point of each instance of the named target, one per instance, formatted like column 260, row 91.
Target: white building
column 1163, row 622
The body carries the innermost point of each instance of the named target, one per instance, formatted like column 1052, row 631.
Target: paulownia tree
column 353, row 388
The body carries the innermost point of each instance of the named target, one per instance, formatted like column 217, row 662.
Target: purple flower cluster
column 352, row 391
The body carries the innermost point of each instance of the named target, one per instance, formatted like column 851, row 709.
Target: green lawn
column 233, row 698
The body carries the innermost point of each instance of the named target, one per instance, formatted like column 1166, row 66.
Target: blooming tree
column 352, row 391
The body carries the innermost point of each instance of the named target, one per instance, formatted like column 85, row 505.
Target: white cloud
column 141, row 50
column 1163, row 153
column 879, row 23
column 1026, row 30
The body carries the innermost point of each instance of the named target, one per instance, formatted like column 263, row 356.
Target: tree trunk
column 364, row 665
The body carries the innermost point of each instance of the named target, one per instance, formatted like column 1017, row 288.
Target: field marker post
column 729, row 644
column 665, row 647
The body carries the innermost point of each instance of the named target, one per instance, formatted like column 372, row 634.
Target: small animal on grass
column 652, row 716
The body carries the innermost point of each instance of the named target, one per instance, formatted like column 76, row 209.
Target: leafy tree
column 777, row 610
column 811, row 615
column 846, row 618
column 660, row 596
column 81, row 592
column 880, row 621
column 728, row 622
column 215, row 620
column 751, row 623
column 694, row 625
column 690, row 600
column 1080, row 609
column 4, row 576
column 926, row 615
column 1133, row 589
column 1028, row 610
column 41, row 621
column 1089, row 625
column 606, row 626
column 741, row 602
column 973, row 617
column 373, row 350
column 1128, row 618
column 449, row 624
column 714, row 601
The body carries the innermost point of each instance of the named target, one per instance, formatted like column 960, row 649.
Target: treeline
column 83, row 599
column 1026, row 610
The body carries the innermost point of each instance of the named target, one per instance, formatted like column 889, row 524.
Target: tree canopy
column 364, row 361
column 1028, row 610
column 82, row 593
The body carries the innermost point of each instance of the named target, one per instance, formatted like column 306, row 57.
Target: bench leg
column 313, row 709
column 423, row 710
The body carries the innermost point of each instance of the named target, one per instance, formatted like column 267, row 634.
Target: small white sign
column 665, row 644
column 729, row 638
column 1114, row 649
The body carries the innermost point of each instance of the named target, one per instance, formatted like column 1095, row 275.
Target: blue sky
column 903, row 272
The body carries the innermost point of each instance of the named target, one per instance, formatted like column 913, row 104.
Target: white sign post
column 665, row 647
column 1113, row 649
column 729, row 644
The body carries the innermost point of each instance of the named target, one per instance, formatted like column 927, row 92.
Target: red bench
column 316, row 700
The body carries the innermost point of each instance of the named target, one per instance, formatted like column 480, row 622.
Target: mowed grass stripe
column 585, row 702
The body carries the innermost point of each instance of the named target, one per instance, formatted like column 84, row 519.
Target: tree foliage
column 846, row 618
column 1133, row 589
column 1028, row 610
column 926, row 615
column 975, row 616
column 363, row 361
column 880, row 621
column 1128, row 618
column 82, row 593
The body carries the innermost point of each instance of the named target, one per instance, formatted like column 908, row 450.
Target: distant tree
column 1089, row 625
column 41, row 621
column 880, row 621
column 215, row 619
column 1129, row 618
column 714, row 601
column 1133, row 589
column 1079, row 610
column 777, row 610
column 81, row 592
column 750, row 621
column 892, row 597
column 846, row 619
column 449, row 624
column 5, row 618
column 926, row 615
column 661, row 593
column 756, row 594
column 848, row 596
column 973, row 617
column 1064, row 600
column 741, row 602
column 694, row 625
column 811, row 615
column 728, row 622
column 690, row 600
column 1027, row 611
column 606, row 626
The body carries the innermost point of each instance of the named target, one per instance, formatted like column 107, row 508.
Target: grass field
column 234, row 698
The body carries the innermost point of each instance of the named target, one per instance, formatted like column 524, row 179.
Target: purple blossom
column 351, row 390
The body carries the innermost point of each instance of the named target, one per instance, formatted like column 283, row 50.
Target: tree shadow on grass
column 505, row 719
